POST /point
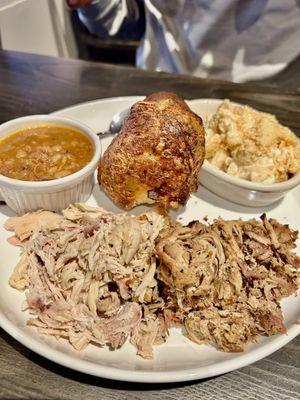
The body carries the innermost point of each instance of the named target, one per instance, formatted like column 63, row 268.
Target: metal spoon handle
column 116, row 123
column 105, row 133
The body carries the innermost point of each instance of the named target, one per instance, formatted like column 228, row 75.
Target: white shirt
column 237, row 40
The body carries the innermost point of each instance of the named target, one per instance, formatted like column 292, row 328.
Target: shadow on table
column 89, row 379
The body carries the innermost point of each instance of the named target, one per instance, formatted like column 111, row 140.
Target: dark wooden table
column 31, row 84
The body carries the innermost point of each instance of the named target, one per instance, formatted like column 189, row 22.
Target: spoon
column 116, row 123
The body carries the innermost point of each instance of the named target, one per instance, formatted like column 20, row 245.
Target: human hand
column 78, row 3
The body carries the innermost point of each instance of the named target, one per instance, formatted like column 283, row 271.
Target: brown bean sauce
column 44, row 153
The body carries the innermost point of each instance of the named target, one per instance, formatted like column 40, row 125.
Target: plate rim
column 130, row 375
column 143, row 376
column 125, row 98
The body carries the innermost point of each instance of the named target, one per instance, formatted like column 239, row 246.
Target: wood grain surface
column 35, row 84
column 25, row 375
column 31, row 84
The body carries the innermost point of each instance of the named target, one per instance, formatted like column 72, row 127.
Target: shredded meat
column 91, row 276
column 28, row 224
column 148, row 332
column 87, row 272
column 225, row 280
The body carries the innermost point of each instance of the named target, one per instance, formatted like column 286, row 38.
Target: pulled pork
column 87, row 274
column 225, row 280
column 91, row 276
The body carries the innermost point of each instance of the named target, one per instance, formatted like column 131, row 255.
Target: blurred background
column 51, row 27
column 234, row 40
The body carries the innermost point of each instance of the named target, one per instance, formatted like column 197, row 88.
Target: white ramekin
column 54, row 195
column 240, row 191
column 244, row 192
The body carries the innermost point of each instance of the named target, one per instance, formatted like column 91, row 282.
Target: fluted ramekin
column 24, row 196
column 231, row 188
column 241, row 191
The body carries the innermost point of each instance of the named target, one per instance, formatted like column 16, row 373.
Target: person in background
column 237, row 40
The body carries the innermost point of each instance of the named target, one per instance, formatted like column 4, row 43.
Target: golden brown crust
column 157, row 155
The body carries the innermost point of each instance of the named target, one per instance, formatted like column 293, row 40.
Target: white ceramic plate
column 178, row 359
